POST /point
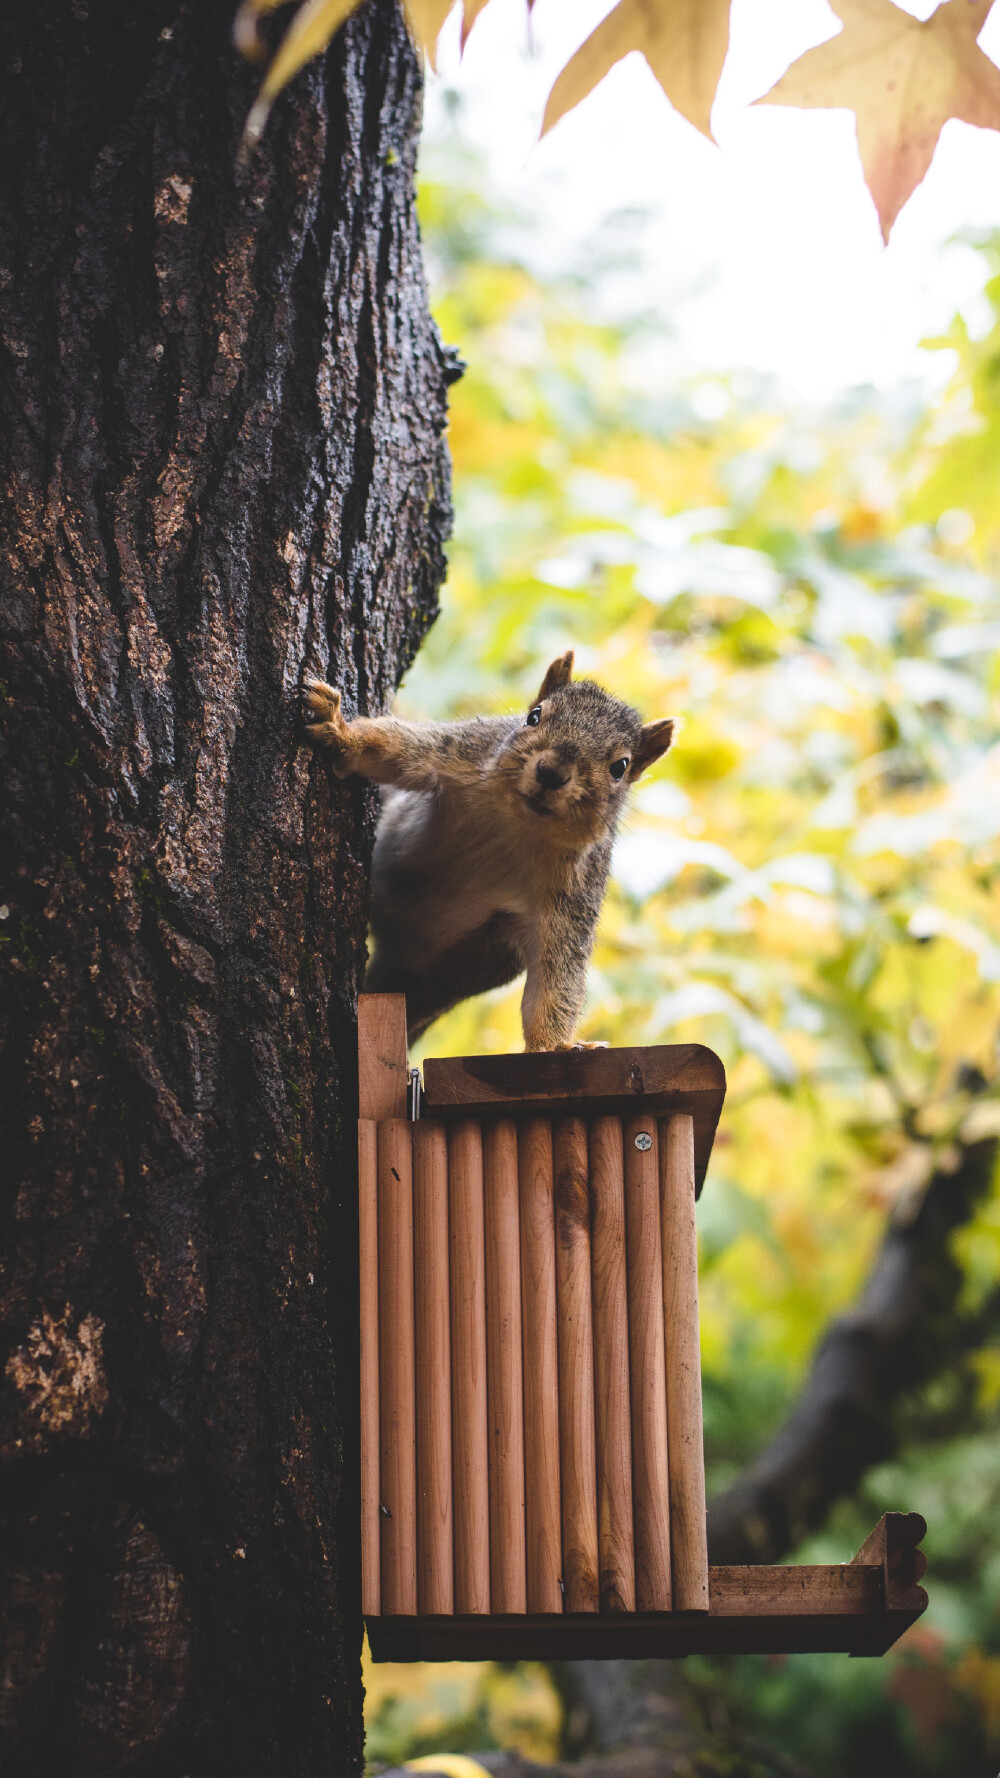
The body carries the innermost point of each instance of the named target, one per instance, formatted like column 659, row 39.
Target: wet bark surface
column 222, row 404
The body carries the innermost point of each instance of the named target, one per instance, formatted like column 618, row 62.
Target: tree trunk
column 222, row 409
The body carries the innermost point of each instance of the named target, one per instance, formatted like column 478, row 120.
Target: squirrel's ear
column 654, row 739
column 560, row 673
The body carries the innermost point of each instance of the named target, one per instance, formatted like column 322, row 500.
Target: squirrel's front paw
column 580, row 1044
column 324, row 724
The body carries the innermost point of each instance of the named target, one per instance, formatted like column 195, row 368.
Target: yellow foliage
column 978, row 1675
column 411, row 1708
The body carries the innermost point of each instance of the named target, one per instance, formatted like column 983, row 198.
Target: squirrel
column 493, row 844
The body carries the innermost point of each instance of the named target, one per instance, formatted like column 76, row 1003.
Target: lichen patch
column 59, row 1374
column 172, row 200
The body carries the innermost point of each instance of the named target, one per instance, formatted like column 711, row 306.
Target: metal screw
column 644, row 1141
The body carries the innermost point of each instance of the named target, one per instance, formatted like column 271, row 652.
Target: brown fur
column 493, row 845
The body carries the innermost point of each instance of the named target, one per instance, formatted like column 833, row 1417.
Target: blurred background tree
column 811, row 885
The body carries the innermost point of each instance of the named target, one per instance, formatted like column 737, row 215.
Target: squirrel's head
column 580, row 750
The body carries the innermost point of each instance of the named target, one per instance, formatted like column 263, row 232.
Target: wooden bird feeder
column 532, row 1467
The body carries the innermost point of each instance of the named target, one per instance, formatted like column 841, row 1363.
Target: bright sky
column 765, row 251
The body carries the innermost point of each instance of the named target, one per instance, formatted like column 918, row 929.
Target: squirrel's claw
column 324, row 724
column 321, row 702
column 581, row 1044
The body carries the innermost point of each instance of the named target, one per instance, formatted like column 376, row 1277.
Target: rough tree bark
column 222, row 465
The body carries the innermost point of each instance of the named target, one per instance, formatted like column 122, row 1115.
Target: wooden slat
column 611, row 1366
column 368, row 1266
column 381, row 1056
column 541, row 1376
column 577, row 1449
column 470, row 1463
column 660, row 1079
column 650, row 1476
column 397, row 1467
column 685, row 1443
column 795, row 1590
column 573, row 1074
column 505, row 1405
column 628, row 1636
column 435, row 1570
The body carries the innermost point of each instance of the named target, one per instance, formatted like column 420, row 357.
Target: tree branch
column 898, row 1335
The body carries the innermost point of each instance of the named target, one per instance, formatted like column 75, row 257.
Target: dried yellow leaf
column 684, row 41
column 310, row 31
column 470, row 12
column 903, row 78
column 426, row 21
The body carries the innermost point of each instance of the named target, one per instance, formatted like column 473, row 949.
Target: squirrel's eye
column 534, row 716
column 618, row 768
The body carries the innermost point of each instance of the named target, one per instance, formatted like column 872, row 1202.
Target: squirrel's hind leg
column 486, row 958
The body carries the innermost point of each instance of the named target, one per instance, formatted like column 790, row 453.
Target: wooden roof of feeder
column 667, row 1078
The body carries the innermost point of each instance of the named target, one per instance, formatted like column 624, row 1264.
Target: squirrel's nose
column 549, row 776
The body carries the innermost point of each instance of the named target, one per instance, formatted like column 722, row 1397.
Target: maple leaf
column 903, row 78
column 470, row 13
column 684, row 42
column 426, row 21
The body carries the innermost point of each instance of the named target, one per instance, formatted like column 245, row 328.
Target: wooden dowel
column 397, row 1467
column 432, row 1312
column 650, row 1480
column 688, row 1535
column 368, row 1266
column 577, row 1451
column 470, row 1463
column 505, row 1406
column 611, row 1366
column 541, row 1372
